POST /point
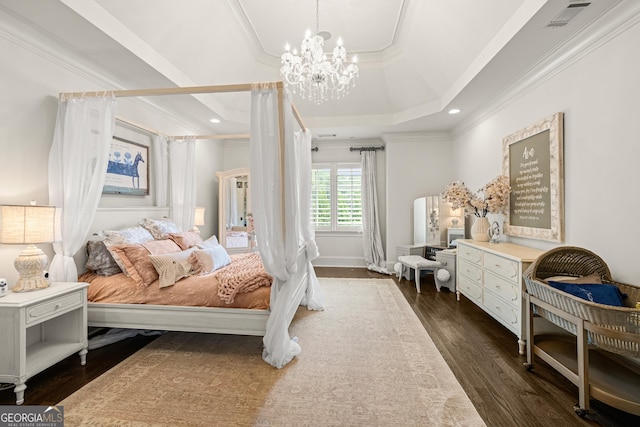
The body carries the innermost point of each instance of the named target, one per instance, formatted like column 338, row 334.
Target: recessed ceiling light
column 215, row 120
column 454, row 111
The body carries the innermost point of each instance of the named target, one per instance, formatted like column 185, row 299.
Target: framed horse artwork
column 128, row 168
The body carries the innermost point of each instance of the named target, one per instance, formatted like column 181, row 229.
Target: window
column 336, row 197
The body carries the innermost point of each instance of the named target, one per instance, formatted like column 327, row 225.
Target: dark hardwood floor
column 481, row 353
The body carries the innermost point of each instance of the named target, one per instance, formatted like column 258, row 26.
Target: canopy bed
column 280, row 162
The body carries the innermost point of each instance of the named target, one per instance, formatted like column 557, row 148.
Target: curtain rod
column 361, row 149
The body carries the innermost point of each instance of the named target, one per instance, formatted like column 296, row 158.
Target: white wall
column 417, row 165
column 30, row 80
column 597, row 87
column 209, row 160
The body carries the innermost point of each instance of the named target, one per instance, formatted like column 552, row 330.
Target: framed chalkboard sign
column 532, row 159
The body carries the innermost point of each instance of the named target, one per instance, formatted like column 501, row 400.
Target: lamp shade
column 27, row 224
column 198, row 217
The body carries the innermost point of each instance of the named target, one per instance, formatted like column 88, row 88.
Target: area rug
column 366, row 361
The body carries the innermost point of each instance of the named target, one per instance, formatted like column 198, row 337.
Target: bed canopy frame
column 192, row 90
column 205, row 319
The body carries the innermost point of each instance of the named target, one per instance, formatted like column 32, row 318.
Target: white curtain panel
column 77, row 170
column 313, row 299
column 160, row 153
column 270, row 217
column 182, row 178
column 371, row 238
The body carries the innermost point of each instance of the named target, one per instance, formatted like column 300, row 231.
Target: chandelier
column 317, row 75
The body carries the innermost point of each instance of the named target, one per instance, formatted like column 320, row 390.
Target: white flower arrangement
column 493, row 197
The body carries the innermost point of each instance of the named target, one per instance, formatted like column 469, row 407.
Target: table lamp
column 198, row 219
column 28, row 225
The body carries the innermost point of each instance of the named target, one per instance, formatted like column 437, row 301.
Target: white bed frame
column 235, row 321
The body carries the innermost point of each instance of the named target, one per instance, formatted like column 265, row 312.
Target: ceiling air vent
column 568, row 14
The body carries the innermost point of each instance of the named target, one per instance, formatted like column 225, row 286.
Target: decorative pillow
column 126, row 236
column 211, row 242
column 159, row 228
column 172, row 267
column 99, row 260
column 136, row 258
column 205, row 261
column 590, row 279
column 601, row 293
column 186, row 239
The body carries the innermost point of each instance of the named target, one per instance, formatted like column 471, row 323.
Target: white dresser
column 490, row 275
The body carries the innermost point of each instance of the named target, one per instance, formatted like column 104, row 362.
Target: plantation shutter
column 348, row 198
column 321, row 198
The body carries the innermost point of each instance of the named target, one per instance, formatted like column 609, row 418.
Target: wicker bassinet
column 575, row 261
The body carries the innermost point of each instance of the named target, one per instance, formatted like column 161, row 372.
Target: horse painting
column 126, row 168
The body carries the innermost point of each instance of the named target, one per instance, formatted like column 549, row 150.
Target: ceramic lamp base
column 31, row 264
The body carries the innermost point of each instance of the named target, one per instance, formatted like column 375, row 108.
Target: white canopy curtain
column 160, row 153
column 182, row 176
column 77, row 170
column 371, row 239
column 314, row 300
column 276, row 222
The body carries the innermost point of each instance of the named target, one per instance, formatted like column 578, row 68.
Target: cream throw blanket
column 244, row 274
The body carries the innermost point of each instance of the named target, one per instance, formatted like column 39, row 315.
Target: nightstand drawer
column 502, row 267
column 472, row 255
column 55, row 306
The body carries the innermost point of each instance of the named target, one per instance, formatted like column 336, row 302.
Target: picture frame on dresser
column 533, row 160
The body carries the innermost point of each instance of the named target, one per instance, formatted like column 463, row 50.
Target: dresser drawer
column 506, row 313
column 504, row 267
column 472, row 255
column 58, row 305
column 471, row 271
column 470, row 289
column 505, row 289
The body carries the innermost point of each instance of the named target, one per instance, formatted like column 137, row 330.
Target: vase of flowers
column 492, row 198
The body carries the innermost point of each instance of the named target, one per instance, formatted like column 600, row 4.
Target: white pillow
column 209, row 260
column 210, row 243
column 159, row 228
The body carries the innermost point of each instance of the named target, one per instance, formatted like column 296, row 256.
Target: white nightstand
column 39, row 329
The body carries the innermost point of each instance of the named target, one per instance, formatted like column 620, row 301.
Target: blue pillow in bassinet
column 600, row 293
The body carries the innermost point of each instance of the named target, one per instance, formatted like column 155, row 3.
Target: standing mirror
column 234, row 203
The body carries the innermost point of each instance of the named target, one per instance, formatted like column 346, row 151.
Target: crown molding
column 616, row 21
column 404, row 137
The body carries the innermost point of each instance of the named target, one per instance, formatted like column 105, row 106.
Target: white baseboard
column 353, row 262
column 350, row 262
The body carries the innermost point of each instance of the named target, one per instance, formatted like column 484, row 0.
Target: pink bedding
column 191, row 291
